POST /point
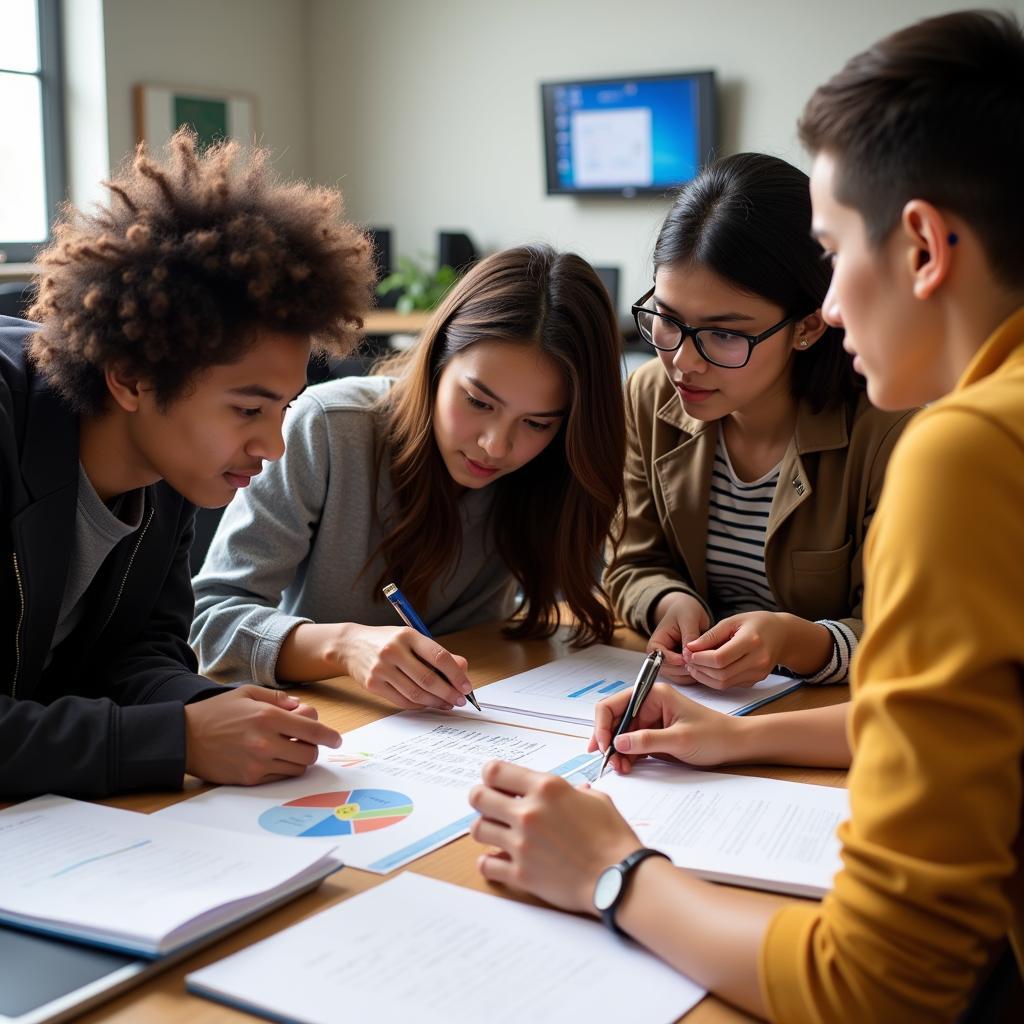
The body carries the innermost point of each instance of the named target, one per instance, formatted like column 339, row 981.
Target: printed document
column 395, row 790
column 567, row 690
column 760, row 833
column 415, row 949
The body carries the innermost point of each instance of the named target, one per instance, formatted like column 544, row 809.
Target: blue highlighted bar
column 619, row 684
column 585, row 765
column 588, row 688
column 442, row 835
column 99, row 856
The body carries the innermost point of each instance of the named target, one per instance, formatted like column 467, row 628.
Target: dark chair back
column 16, row 297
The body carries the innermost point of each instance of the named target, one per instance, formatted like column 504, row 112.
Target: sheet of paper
column 764, row 833
column 415, row 949
column 395, row 790
column 522, row 720
column 568, row 689
column 99, row 871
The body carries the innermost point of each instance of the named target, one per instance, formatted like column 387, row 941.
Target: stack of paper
column 760, row 833
column 567, row 690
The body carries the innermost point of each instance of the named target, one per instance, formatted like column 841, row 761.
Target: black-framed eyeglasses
column 729, row 349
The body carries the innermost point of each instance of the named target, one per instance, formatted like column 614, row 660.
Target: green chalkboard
column 208, row 117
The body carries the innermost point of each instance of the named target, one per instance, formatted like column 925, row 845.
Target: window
column 31, row 132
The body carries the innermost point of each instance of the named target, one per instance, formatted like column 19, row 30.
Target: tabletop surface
column 344, row 706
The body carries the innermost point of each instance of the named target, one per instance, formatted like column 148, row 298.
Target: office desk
column 344, row 706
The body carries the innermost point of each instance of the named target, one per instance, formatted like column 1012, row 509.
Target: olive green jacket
column 829, row 484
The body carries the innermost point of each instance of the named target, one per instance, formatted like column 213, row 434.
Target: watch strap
column 626, row 867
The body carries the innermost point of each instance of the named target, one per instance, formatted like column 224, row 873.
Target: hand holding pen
column 638, row 695
column 670, row 726
column 408, row 615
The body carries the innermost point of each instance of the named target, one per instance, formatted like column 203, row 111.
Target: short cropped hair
column 191, row 258
column 934, row 112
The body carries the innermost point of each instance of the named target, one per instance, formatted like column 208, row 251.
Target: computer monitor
column 380, row 239
column 610, row 279
column 455, row 249
column 627, row 136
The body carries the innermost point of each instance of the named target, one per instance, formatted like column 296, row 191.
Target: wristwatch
column 612, row 883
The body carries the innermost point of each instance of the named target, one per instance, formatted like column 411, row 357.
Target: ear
column 125, row 387
column 808, row 330
column 929, row 239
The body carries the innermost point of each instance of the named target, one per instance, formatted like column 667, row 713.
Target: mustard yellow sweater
column 933, row 853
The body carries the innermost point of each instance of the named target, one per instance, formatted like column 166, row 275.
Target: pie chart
column 343, row 813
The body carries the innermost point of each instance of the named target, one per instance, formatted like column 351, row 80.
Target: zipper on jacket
column 17, row 629
column 124, row 579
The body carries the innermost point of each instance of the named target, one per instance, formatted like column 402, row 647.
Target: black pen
column 641, row 688
column 408, row 615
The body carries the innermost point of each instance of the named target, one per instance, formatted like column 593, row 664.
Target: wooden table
column 387, row 321
column 163, row 1000
column 376, row 321
column 17, row 271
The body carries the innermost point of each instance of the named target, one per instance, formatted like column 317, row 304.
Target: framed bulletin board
column 161, row 109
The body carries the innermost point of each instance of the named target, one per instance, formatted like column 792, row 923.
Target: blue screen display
column 625, row 134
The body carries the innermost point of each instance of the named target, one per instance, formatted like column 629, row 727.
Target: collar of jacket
column 42, row 530
column 1004, row 344
column 815, row 432
column 684, row 474
column 49, row 454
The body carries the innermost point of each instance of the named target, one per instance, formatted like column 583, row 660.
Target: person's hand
column 251, row 735
column 551, row 839
column 404, row 667
column 680, row 618
column 738, row 651
column 669, row 726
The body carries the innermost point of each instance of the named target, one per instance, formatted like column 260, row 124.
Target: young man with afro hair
column 171, row 331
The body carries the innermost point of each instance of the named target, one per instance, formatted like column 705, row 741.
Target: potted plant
column 421, row 289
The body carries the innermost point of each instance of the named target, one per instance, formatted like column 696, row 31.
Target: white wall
column 427, row 112
column 254, row 46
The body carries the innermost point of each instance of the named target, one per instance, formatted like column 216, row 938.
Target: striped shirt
column 738, row 514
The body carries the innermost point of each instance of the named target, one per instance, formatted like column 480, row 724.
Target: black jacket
column 107, row 714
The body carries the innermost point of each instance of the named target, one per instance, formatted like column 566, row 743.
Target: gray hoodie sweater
column 290, row 546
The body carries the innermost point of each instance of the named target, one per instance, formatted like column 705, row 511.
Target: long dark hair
column 551, row 517
column 748, row 219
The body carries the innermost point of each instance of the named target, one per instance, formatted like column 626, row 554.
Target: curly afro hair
column 191, row 258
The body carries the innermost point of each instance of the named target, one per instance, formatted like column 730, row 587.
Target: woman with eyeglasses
column 754, row 461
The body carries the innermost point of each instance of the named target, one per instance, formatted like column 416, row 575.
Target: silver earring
column 802, row 343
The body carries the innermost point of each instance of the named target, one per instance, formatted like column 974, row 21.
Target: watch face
column 609, row 884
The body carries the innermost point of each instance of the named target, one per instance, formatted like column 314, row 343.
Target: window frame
column 51, row 78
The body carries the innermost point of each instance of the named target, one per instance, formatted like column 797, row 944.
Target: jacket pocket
column 822, row 561
column 819, row 587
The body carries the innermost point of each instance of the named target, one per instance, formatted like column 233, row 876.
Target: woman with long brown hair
column 486, row 462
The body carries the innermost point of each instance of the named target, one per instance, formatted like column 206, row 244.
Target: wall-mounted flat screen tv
column 628, row 135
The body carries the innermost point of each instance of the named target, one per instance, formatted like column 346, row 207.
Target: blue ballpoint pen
column 408, row 615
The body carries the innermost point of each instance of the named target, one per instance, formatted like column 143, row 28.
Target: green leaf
column 421, row 288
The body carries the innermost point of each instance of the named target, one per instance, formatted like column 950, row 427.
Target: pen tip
column 472, row 700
